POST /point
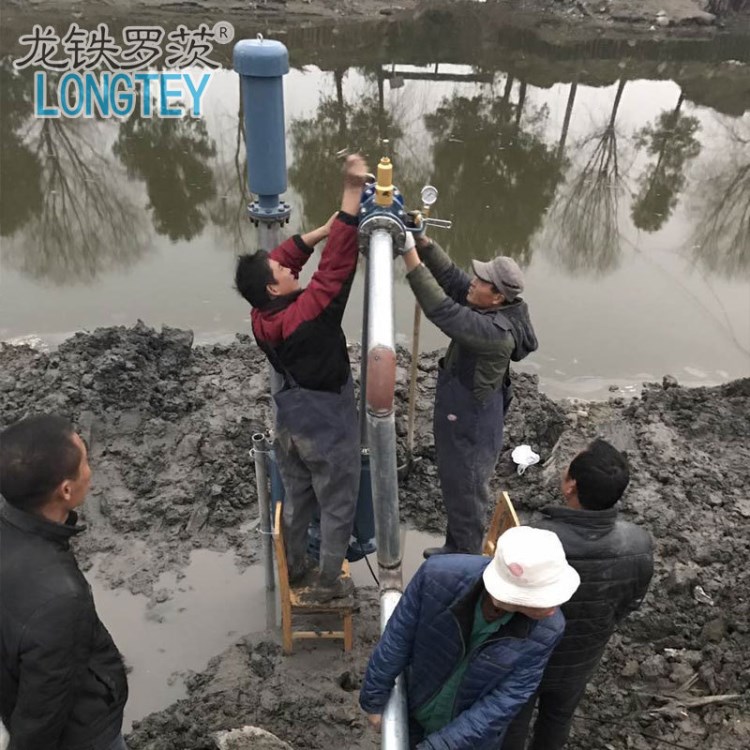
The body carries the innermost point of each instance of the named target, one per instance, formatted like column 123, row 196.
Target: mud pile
column 170, row 429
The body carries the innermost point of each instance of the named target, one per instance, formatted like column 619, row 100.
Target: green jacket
column 483, row 342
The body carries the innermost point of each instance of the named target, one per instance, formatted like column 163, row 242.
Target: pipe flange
column 383, row 221
column 264, row 215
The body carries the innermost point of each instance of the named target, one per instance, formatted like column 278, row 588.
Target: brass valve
column 384, row 184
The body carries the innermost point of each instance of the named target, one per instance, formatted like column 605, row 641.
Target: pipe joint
column 261, row 212
column 381, row 220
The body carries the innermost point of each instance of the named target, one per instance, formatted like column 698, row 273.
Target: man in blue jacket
column 473, row 636
column 489, row 325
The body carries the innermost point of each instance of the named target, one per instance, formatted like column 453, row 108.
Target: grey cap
column 503, row 272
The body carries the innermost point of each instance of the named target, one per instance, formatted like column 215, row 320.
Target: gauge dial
column 429, row 195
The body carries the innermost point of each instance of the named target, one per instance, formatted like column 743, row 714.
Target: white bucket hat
column 529, row 569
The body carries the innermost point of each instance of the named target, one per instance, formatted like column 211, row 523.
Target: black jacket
column 615, row 561
column 62, row 680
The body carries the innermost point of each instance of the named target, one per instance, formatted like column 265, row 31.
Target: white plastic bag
column 524, row 457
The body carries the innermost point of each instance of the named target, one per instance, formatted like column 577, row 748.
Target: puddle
column 208, row 609
column 209, row 606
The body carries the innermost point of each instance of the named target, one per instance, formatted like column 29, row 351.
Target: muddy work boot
column 298, row 571
column 327, row 589
column 330, row 585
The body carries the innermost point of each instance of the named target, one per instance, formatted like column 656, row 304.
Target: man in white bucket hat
column 473, row 636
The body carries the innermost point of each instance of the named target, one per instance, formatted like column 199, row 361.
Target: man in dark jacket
column 62, row 681
column 615, row 561
column 299, row 330
column 489, row 325
column 473, row 635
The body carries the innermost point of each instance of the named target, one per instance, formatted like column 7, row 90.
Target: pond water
column 204, row 610
column 621, row 184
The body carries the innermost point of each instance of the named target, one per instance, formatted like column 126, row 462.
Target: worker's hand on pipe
column 407, row 246
column 375, row 721
column 355, row 171
column 415, row 222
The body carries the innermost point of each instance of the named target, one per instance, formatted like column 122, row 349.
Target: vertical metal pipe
column 381, row 431
column 260, row 452
column 363, row 361
column 395, row 726
column 381, row 382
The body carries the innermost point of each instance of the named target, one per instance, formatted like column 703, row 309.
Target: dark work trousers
column 319, row 460
column 554, row 719
column 468, row 441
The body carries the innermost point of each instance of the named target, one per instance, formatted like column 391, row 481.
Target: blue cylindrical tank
column 262, row 65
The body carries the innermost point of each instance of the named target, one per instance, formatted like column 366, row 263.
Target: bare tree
column 86, row 221
column 583, row 231
column 721, row 239
column 672, row 140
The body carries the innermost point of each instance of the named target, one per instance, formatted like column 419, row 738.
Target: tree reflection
column 315, row 173
column 228, row 211
column 171, row 156
column 66, row 213
column 586, row 233
column 721, row 240
column 20, row 170
column 672, row 140
column 496, row 174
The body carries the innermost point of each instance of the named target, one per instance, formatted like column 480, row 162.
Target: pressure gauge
column 429, row 195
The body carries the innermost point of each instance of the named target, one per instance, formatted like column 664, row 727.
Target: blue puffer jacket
column 426, row 637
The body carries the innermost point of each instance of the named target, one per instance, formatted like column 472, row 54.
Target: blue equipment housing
column 362, row 541
column 262, row 65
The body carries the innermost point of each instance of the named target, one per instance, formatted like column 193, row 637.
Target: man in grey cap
column 489, row 325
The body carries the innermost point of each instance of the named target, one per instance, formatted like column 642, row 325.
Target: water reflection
column 584, row 234
column 497, row 173
column 172, row 157
column 721, row 239
column 66, row 214
column 672, row 140
column 338, row 124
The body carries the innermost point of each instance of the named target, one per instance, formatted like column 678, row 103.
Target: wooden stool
column 293, row 600
column 503, row 518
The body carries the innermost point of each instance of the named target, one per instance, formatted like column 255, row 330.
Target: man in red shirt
column 300, row 332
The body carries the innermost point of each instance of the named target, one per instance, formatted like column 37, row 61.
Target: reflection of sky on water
column 612, row 302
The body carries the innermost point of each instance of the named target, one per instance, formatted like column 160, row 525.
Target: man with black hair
column 614, row 559
column 299, row 330
column 62, row 680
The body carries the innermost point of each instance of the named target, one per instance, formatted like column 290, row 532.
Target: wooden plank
column 315, row 634
column 284, row 590
column 348, row 632
column 503, row 518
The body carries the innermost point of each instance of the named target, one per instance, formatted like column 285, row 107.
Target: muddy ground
column 170, row 425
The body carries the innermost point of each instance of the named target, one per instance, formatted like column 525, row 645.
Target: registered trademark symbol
column 223, row 32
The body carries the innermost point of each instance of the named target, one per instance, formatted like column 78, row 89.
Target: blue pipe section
column 363, row 535
column 262, row 65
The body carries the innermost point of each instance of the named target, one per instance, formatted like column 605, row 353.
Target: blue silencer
column 262, row 64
